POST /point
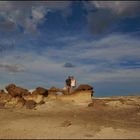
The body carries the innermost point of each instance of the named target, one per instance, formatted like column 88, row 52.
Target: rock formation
column 30, row 104
column 2, row 91
column 40, row 91
column 19, row 97
column 14, row 91
column 38, row 95
column 55, row 90
column 35, row 97
column 4, row 98
column 84, row 87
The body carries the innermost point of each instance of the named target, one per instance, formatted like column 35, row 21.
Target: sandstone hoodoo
column 82, row 94
column 84, row 87
column 19, row 97
column 14, row 91
column 55, row 90
column 41, row 91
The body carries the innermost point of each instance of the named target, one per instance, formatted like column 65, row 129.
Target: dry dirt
column 111, row 118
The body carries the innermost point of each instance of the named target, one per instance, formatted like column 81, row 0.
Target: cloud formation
column 107, row 13
column 96, row 61
column 47, row 59
column 29, row 14
column 13, row 68
column 99, row 22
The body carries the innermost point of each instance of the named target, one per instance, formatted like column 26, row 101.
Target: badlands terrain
column 76, row 116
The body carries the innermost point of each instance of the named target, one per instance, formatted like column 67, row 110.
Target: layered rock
column 4, row 98
column 78, row 97
column 17, row 102
column 9, row 101
column 82, row 94
column 37, row 98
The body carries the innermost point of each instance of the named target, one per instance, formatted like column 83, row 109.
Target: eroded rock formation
column 19, row 97
column 84, row 87
column 14, row 91
column 30, row 104
column 40, row 91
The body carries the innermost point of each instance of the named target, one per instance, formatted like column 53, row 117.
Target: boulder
column 55, row 90
column 84, row 87
column 14, row 91
column 41, row 91
column 30, row 104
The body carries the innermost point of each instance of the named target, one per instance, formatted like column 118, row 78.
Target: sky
column 97, row 42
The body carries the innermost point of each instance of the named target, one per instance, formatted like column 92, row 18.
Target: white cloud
column 108, row 51
column 45, row 70
column 38, row 13
column 20, row 12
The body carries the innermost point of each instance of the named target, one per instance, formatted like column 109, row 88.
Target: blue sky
column 98, row 42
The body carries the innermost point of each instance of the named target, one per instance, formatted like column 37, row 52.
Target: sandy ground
column 111, row 118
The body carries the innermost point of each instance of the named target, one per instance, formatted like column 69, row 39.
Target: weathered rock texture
column 84, row 87
column 30, row 104
column 14, row 91
column 40, row 91
column 19, row 97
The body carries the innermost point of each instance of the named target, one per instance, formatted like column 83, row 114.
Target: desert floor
column 110, row 117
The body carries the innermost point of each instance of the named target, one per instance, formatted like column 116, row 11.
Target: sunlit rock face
column 82, row 94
